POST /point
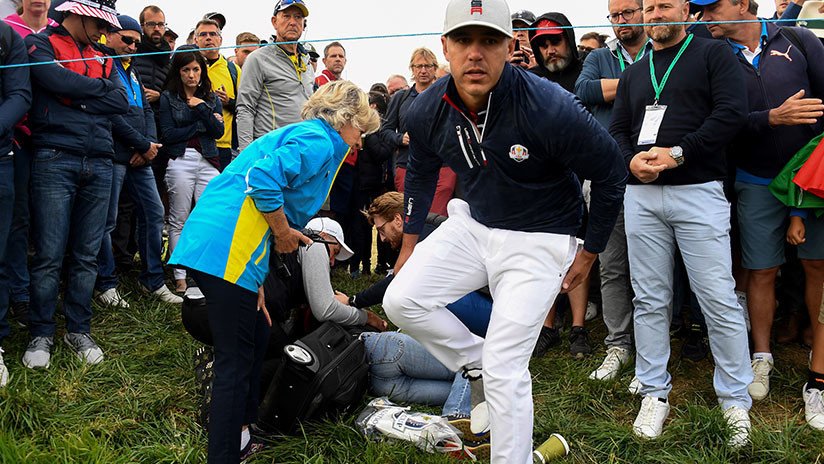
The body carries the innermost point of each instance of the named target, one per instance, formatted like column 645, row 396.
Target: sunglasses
column 128, row 40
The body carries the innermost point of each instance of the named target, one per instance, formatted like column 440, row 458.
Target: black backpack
column 324, row 372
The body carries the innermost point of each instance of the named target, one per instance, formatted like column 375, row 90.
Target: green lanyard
column 637, row 57
column 660, row 88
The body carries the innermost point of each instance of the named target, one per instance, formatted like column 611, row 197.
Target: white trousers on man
column 524, row 271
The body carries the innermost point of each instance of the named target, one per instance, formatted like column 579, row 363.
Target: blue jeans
column 15, row 266
column 695, row 219
column 474, row 310
column 141, row 186
column 403, row 370
column 6, row 211
column 71, row 194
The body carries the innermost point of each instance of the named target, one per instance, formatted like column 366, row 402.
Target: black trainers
column 20, row 313
column 579, row 342
column 548, row 338
column 695, row 347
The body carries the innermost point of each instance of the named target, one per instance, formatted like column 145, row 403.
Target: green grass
column 139, row 406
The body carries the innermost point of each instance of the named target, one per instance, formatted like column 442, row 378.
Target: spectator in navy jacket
column 74, row 102
column 15, row 99
column 135, row 138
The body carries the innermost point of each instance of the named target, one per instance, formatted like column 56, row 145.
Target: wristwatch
column 677, row 154
column 352, row 301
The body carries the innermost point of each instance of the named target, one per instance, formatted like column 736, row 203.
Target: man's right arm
column 59, row 80
column 590, row 88
column 621, row 126
column 249, row 96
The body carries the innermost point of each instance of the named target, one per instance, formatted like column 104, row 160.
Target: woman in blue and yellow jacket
column 259, row 203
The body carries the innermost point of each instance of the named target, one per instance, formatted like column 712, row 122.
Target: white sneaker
column 634, row 386
column 742, row 300
column 84, row 347
column 4, row 371
column 738, row 419
column 38, row 353
column 813, row 407
column 650, row 420
column 592, row 311
column 165, row 295
column 760, row 386
column 609, row 369
column 112, row 298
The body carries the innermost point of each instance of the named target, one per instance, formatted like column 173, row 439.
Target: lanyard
column 660, row 88
column 637, row 57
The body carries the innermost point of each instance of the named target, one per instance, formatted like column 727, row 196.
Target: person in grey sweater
column 277, row 79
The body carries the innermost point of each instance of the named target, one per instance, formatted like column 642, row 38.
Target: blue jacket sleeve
column 391, row 123
column 113, row 101
column 16, row 87
column 621, row 126
column 374, row 294
column 169, row 132
column 595, row 157
column 791, row 12
column 588, row 85
column 214, row 127
column 422, row 171
column 292, row 163
column 122, row 130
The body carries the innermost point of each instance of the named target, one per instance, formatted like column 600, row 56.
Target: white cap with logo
column 493, row 14
column 331, row 227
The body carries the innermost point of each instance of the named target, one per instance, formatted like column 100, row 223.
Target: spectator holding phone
column 521, row 22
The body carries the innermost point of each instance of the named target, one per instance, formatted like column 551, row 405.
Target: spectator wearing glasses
column 591, row 41
column 71, row 183
column 279, row 78
column 395, row 83
column 135, row 142
column 225, row 77
column 153, row 68
column 423, row 65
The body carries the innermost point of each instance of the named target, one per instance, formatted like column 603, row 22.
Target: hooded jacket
column 565, row 78
column 519, row 163
column 73, row 101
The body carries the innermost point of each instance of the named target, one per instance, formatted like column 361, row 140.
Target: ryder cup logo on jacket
column 519, row 153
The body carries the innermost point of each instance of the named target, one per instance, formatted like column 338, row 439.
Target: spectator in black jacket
column 555, row 50
column 153, row 68
column 676, row 200
column 74, row 102
column 15, row 99
column 135, row 142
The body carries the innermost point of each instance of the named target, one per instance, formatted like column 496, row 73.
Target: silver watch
column 677, row 154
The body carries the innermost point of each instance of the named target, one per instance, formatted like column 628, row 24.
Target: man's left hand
column 342, row 298
column 578, row 271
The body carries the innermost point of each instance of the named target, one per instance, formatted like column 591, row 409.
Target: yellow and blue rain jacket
column 293, row 167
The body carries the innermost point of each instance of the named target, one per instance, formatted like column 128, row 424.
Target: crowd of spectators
column 103, row 159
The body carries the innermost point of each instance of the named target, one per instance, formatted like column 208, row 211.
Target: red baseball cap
column 547, row 27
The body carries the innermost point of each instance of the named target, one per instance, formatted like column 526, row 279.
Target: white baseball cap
column 493, row 14
column 331, row 227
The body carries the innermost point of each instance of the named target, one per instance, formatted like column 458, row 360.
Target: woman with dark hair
column 190, row 119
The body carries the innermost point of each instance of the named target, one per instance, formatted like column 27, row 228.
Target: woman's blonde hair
column 340, row 102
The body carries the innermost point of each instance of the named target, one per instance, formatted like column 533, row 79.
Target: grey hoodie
column 271, row 93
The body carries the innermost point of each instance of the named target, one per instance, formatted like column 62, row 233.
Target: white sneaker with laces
column 112, row 298
column 813, row 407
column 650, row 420
column 165, row 295
column 4, row 371
column 760, row 386
column 738, row 419
column 84, row 346
column 609, row 369
column 634, row 386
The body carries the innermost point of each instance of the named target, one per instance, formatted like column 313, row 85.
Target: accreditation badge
column 653, row 118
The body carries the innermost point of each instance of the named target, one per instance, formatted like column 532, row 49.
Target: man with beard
column 596, row 87
column 553, row 45
column 153, row 68
column 676, row 200
column 277, row 79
